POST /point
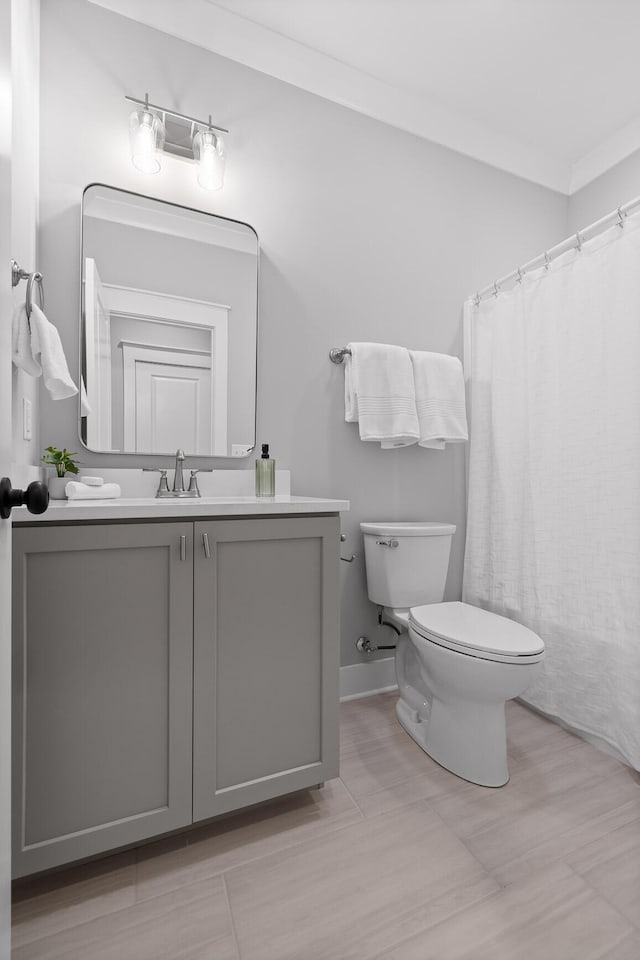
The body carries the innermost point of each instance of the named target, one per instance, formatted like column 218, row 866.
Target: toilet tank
column 406, row 562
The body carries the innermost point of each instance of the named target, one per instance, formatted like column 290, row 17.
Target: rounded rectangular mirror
column 169, row 328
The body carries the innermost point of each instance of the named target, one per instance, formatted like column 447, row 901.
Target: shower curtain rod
column 571, row 243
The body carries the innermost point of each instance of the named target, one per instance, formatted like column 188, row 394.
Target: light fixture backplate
column 179, row 136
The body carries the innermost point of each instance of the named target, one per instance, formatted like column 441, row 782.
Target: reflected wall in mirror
column 169, row 328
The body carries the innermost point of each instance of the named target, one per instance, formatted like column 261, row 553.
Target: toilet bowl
column 456, row 664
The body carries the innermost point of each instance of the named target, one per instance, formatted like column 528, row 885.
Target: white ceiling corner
column 417, row 82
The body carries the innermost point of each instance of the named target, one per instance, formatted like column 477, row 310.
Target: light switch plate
column 27, row 419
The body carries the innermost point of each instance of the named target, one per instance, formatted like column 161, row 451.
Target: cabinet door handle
column 183, row 548
column 205, row 544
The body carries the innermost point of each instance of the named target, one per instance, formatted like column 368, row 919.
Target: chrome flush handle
column 387, row 543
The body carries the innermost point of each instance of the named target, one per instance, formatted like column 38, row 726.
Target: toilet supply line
column 364, row 645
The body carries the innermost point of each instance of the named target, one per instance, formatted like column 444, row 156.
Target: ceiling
column 546, row 89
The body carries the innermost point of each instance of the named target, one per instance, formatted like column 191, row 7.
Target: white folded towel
column 21, row 343
column 75, row 490
column 380, row 395
column 440, row 399
column 47, row 352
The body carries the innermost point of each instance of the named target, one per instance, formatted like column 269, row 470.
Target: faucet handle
column 194, row 489
column 163, row 486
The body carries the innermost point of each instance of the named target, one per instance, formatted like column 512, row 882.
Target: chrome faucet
column 178, row 480
column 178, row 489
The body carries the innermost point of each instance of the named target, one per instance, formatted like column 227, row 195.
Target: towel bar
column 337, row 354
column 18, row 274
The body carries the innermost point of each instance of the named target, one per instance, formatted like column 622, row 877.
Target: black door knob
column 35, row 497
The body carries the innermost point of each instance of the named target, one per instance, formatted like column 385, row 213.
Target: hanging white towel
column 440, row 399
column 46, row 349
column 380, row 395
column 76, row 490
column 21, row 343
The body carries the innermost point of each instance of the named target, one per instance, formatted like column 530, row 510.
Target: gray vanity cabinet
column 167, row 672
column 265, row 659
column 102, row 693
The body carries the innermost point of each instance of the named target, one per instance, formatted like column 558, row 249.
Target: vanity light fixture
column 146, row 137
column 154, row 130
column 208, row 150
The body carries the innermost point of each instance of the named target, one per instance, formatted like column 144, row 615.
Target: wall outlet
column 27, row 419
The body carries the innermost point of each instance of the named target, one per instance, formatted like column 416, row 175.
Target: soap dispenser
column 265, row 474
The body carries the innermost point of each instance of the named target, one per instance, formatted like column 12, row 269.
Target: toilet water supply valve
column 353, row 556
column 364, row 645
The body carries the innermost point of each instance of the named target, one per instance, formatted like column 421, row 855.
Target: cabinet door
column 266, row 656
column 102, row 716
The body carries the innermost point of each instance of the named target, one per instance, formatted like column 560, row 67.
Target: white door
column 167, row 400
column 173, row 408
column 5, row 463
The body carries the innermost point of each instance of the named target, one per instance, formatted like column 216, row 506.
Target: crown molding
column 606, row 155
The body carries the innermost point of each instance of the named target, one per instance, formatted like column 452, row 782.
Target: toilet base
column 468, row 739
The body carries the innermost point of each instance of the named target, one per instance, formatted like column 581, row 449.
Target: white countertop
column 145, row 508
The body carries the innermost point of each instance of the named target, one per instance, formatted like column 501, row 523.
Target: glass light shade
column 208, row 151
column 146, row 137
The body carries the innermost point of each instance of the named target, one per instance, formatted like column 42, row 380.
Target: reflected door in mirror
column 169, row 329
column 167, row 401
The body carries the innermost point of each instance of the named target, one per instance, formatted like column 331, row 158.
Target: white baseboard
column 363, row 679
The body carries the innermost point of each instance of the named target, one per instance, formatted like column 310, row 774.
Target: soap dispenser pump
column 265, row 474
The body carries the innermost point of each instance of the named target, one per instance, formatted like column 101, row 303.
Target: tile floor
column 398, row 859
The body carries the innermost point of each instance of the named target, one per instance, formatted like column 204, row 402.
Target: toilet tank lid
column 411, row 528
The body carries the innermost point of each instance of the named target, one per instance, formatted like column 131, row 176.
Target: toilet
column 456, row 664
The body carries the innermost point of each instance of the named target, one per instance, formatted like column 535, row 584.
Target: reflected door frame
column 183, row 311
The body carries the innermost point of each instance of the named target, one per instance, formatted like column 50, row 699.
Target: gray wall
column 605, row 193
column 367, row 233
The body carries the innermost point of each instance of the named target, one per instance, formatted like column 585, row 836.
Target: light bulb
column 208, row 150
column 146, row 133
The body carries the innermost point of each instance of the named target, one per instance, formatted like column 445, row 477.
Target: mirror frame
column 81, row 326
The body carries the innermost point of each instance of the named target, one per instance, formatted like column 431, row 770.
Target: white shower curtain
column 553, row 533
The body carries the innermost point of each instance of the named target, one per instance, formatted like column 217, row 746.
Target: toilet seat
column 475, row 632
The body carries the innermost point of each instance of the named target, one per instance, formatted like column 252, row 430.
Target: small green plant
column 62, row 460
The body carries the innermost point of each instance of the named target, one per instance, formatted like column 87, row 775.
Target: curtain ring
column 496, row 289
column 578, row 242
column 520, row 276
column 621, row 217
column 476, row 299
column 547, row 261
